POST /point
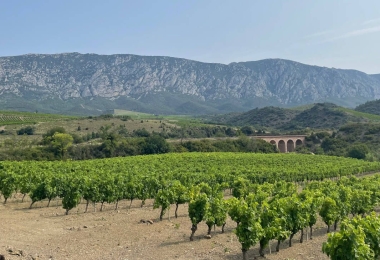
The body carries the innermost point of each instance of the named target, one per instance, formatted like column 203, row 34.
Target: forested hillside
column 318, row 116
column 372, row 107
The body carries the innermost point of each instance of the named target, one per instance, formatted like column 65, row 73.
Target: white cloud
column 354, row 34
column 377, row 20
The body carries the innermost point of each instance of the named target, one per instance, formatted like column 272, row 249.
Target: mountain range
column 74, row 83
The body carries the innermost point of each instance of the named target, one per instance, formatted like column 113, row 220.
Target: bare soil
column 46, row 233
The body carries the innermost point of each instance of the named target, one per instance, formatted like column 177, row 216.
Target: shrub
column 28, row 130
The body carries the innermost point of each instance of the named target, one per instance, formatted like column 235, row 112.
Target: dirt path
column 46, row 233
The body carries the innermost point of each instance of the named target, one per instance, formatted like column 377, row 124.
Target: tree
column 155, row 144
column 54, row 130
column 358, row 151
column 247, row 130
column 28, row 130
column 61, row 142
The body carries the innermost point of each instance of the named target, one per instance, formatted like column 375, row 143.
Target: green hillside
column 325, row 116
column 372, row 107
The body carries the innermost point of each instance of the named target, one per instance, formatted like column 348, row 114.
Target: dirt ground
column 46, row 233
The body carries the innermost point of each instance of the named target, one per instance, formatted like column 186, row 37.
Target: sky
column 330, row 33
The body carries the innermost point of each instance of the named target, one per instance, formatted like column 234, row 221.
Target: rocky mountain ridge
column 73, row 81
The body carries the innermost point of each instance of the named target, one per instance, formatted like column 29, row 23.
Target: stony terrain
column 72, row 82
column 46, row 233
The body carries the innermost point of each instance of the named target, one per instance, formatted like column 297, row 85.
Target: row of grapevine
column 265, row 212
column 266, row 204
column 8, row 118
column 358, row 238
column 146, row 175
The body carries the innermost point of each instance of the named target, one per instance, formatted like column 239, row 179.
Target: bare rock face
column 36, row 77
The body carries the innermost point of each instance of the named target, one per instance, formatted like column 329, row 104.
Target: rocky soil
column 46, row 233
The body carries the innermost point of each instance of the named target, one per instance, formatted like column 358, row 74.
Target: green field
column 204, row 167
column 17, row 118
column 266, row 195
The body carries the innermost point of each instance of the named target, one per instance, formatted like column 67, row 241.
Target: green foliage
column 247, row 130
column 240, row 188
column 180, row 194
column 46, row 189
column 249, row 231
column 7, row 184
column 61, row 143
column 197, row 210
column 372, row 107
column 348, row 244
column 155, row 144
column 361, row 202
column 71, row 193
column 296, row 215
column 358, row 151
column 371, row 226
column 28, row 130
column 141, row 133
column 329, row 211
column 163, row 199
column 216, row 212
column 316, row 116
column 54, row 130
column 189, row 175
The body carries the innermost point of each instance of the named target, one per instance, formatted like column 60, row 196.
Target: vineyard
column 16, row 118
column 269, row 197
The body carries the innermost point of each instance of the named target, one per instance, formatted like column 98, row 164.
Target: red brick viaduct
column 284, row 143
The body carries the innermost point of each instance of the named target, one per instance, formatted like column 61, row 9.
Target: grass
column 180, row 120
column 134, row 114
column 359, row 114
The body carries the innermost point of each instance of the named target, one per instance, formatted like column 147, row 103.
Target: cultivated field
column 135, row 232
column 46, row 233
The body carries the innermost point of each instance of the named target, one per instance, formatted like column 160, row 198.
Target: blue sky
column 340, row 34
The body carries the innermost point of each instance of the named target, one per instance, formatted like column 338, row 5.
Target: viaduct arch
column 284, row 143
